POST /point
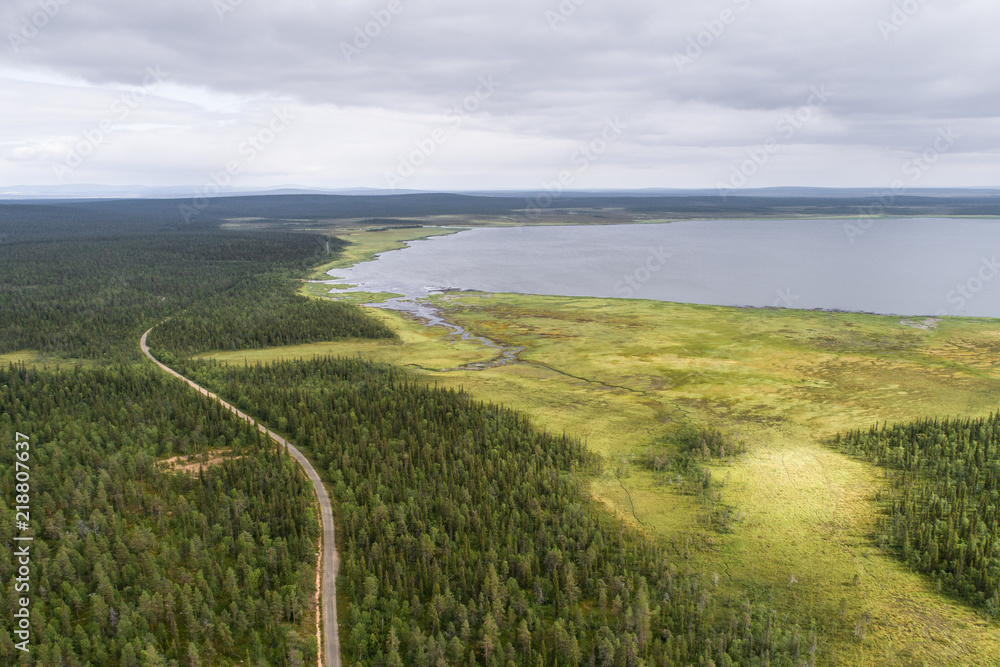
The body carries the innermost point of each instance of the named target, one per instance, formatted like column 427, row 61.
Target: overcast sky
column 453, row 94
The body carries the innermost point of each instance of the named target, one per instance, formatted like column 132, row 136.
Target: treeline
column 93, row 298
column 133, row 565
column 263, row 311
column 387, row 224
column 43, row 217
column 942, row 508
column 59, row 220
column 468, row 537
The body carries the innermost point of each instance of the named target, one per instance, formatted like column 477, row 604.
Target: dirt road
column 330, row 559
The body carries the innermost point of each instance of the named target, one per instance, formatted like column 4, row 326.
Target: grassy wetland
column 798, row 516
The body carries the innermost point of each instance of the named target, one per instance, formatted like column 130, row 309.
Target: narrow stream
column 433, row 317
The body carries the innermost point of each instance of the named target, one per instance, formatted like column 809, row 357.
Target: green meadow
column 36, row 359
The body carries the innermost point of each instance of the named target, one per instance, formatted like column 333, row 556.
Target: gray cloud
column 894, row 77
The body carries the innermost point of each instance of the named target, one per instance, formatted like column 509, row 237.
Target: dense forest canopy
column 134, row 564
column 468, row 536
column 92, row 298
column 942, row 509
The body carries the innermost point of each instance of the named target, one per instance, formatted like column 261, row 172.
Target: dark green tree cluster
column 706, row 442
column 468, row 537
column 93, row 297
column 263, row 311
column 942, row 508
column 134, row 565
column 680, row 460
column 387, row 224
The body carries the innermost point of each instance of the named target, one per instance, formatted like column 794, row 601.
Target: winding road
column 330, row 559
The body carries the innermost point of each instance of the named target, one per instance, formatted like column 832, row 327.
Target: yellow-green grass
column 364, row 245
column 620, row 373
column 338, row 293
column 35, row 359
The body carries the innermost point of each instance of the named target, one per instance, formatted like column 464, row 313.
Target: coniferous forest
column 92, row 297
column 469, row 537
column 466, row 535
column 942, row 510
column 134, row 564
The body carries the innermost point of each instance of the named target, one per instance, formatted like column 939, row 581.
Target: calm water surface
column 907, row 267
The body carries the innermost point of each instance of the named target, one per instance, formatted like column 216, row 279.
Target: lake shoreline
column 906, row 267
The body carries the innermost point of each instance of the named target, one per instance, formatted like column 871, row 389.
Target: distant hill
column 46, row 218
column 92, row 192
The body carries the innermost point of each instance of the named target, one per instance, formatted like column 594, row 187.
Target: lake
column 910, row 267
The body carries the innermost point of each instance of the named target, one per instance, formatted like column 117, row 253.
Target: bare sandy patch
column 192, row 463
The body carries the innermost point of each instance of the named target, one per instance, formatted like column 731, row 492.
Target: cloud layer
column 757, row 92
